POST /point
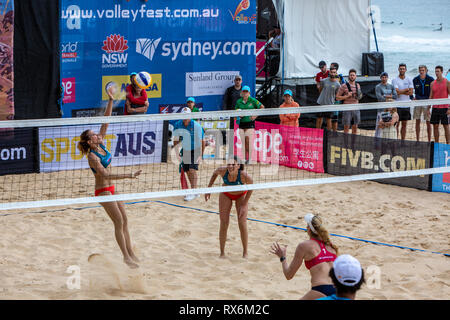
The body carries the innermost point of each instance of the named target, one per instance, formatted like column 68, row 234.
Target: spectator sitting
column 347, row 276
column 136, row 98
column 389, row 118
column 385, row 92
column 290, row 119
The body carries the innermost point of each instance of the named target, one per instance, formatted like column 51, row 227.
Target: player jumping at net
column 91, row 145
column 318, row 253
column 233, row 174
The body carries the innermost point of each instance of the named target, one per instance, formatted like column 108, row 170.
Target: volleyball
column 111, row 87
column 143, row 80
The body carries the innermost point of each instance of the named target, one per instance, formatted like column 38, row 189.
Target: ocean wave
column 411, row 44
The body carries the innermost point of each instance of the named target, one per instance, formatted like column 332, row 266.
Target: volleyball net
column 41, row 165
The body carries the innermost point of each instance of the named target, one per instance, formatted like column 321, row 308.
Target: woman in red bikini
column 232, row 174
column 136, row 101
column 318, row 253
column 91, row 145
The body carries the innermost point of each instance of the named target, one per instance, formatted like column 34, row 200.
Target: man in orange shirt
column 290, row 119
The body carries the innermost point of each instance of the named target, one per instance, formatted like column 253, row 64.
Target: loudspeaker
column 372, row 63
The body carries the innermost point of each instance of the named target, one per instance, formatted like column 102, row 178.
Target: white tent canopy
column 329, row 30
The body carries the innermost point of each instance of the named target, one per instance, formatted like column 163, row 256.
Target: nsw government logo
column 147, row 47
column 114, row 47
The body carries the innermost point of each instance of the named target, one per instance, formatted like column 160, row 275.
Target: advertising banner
column 17, row 151
column 129, row 143
column 293, row 147
column 6, row 60
column 441, row 182
column 353, row 154
column 190, row 48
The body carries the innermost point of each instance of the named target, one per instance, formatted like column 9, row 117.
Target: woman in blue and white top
column 232, row 174
column 91, row 145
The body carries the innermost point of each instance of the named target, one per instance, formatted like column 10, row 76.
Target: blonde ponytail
column 322, row 233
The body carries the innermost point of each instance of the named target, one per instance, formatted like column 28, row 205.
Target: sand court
column 179, row 247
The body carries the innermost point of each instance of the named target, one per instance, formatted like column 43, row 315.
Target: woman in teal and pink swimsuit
column 232, row 174
column 91, row 145
column 318, row 253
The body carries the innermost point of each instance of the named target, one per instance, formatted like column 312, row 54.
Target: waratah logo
column 115, row 43
column 147, row 47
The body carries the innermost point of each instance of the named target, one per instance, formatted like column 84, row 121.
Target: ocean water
column 406, row 32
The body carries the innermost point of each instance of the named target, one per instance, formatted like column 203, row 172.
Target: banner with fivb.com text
column 349, row 154
column 190, row 48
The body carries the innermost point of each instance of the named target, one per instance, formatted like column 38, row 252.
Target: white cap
column 308, row 219
column 347, row 270
column 186, row 110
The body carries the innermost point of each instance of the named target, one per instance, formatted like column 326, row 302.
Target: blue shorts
column 326, row 289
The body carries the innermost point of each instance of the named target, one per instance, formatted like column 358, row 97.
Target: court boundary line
column 249, row 219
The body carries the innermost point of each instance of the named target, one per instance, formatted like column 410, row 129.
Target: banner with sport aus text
column 293, row 147
column 130, row 144
column 6, row 60
column 190, row 48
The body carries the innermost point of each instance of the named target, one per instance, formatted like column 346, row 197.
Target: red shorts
column 110, row 189
column 234, row 196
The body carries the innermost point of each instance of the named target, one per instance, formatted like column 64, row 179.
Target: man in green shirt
column 191, row 105
column 247, row 123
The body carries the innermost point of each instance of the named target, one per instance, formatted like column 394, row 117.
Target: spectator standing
column 190, row 103
column 440, row 89
column 290, row 119
column 347, row 276
column 385, row 92
column 247, row 123
column 231, row 96
column 422, row 85
column 323, row 74
column 276, row 34
column 193, row 145
column 404, row 87
column 350, row 93
column 328, row 90
column 335, row 117
column 136, row 98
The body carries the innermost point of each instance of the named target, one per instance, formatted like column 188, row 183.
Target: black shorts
column 328, row 115
column 247, row 125
column 190, row 158
column 404, row 114
column 439, row 115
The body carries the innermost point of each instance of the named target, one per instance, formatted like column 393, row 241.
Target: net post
column 165, row 141
column 430, row 177
column 325, row 150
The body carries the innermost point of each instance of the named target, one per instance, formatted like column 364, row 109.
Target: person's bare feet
column 134, row 258
column 222, row 256
column 131, row 263
column 245, row 255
